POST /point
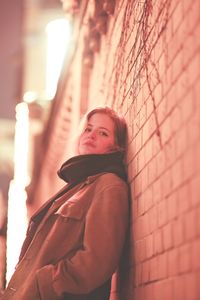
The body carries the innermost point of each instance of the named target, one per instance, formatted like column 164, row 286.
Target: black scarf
column 78, row 168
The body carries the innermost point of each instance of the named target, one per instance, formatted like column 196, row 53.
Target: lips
column 89, row 143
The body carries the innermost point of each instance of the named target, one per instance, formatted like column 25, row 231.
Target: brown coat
column 77, row 245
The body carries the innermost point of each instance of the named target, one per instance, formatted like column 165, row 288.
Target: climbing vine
column 142, row 27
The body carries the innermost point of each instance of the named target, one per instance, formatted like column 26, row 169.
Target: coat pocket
column 71, row 210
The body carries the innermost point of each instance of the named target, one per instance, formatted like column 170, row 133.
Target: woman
column 75, row 240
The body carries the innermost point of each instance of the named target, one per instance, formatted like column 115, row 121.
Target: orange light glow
column 17, row 221
column 58, row 35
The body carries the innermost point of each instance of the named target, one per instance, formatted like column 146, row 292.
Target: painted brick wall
column 148, row 68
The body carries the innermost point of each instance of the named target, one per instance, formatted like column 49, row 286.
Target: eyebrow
column 101, row 127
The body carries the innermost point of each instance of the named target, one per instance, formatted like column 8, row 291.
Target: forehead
column 101, row 119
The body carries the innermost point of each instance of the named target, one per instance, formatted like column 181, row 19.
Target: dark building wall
column 10, row 56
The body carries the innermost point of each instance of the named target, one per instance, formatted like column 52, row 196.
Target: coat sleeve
column 105, row 229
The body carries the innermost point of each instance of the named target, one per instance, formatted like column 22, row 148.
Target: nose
column 92, row 134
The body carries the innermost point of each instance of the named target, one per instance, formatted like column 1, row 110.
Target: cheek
column 78, row 144
column 110, row 144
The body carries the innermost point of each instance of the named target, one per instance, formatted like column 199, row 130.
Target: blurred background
column 141, row 58
column 27, row 58
column 34, row 39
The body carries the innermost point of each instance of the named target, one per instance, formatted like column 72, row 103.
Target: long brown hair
column 119, row 125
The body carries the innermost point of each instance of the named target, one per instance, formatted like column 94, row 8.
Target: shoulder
column 107, row 179
column 110, row 181
column 110, row 178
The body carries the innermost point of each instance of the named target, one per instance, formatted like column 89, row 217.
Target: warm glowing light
column 17, row 225
column 58, row 35
column 21, row 144
column 30, row 96
column 17, row 221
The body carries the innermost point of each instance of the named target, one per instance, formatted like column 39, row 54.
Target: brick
column 158, row 241
column 140, row 205
column 193, row 132
column 172, row 262
column 137, row 185
column 167, row 236
column 176, row 119
column 178, row 231
column 153, row 219
column 191, row 286
column 189, row 164
column 149, row 246
column 181, row 141
column 162, row 213
column 193, row 16
column 139, row 293
column 198, row 221
column 186, row 6
column 145, row 271
column 174, row 49
column 193, row 68
column 162, row 266
column 140, row 250
column 183, row 199
column 162, row 64
column 184, row 259
column 136, row 126
column 148, row 199
column 157, row 190
column 180, row 88
column 152, row 171
column 153, row 268
column 144, row 179
column 172, row 206
column 143, row 115
column 149, row 292
column 172, row 93
column 187, row 106
column 177, row 66
column 158, row 93
column 197, row 158
column 188, row 50
column 155, row 144
column 177, row 17
column 145, row 92
column 166, row 130
column 167, row 290
column 142, row 226
column 138, row 142
column 138, row 274
column 195, row 254
column 152, row 124
column 190, row 225
column 177, row 173
column 195, row 190
column 149, row 107
column 145, row 132
column 148, row 151
column 166, row 184
column 179, row 288
column 160, row 162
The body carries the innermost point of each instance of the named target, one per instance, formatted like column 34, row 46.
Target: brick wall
column 148, row 69
column 152, row 56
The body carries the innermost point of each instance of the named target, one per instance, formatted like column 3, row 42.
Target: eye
column 87, row 129
column 103, row 133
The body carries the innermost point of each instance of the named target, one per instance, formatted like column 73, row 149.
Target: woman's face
column 98, row 136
